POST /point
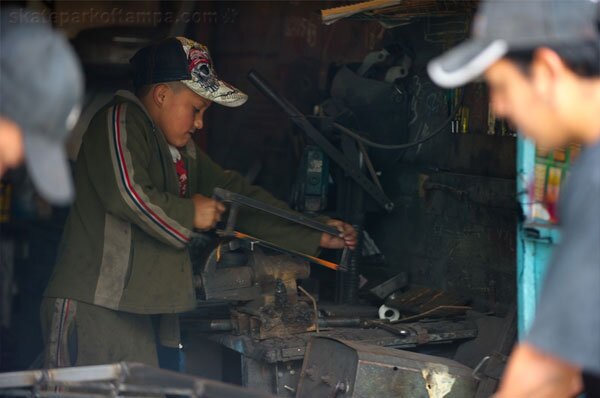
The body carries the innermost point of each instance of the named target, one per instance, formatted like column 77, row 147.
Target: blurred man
column 41, row 88
column 541, row 60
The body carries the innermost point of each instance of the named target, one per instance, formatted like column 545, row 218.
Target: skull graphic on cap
column 200, row 65
column 203, row 78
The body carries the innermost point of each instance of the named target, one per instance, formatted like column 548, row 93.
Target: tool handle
column 234, row 209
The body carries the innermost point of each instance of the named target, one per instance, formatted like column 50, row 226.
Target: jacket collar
column 190, row 149
column 128, row 95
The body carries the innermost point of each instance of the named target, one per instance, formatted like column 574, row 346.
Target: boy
column 541, row 60
column 142, row 186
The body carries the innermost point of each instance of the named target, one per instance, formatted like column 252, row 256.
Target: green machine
column 310, row 193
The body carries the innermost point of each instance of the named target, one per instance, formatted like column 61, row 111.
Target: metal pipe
column 225, row 325
column 340, row 322
column 208, row 325
column 314, row 304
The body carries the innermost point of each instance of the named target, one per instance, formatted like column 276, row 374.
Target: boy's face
column 180, row 114
column 516, row 97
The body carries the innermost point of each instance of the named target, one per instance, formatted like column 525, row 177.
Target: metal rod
column 369, row 165
column 225, row 325
column 314, row 303
column 269, row 245
column 340, row 322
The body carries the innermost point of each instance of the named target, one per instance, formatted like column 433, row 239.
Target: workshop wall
column 455, row 218
column 287, row 44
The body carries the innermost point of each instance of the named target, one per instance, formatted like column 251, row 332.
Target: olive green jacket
column 124, row 245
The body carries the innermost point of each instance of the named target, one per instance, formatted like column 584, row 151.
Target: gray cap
column 41, row 89
column 501, row 26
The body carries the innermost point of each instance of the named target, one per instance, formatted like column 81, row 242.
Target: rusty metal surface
column 272, row 267
column 267, row 286
column 273, row 364
column 443, row 311
column 338, row 368
column 253, row 280
column 279, row 378
column 280, row 319
column 422, row 299
column 278, row 312
column 281, row 349
column 348, row 310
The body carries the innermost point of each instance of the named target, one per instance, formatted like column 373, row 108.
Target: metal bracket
column 479, row 366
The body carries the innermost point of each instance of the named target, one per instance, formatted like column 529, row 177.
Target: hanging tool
column 334, row 154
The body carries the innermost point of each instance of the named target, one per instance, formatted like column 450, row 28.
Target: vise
column 263, row 287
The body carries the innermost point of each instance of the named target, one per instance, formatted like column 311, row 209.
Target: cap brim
column 48, row 167
column 225, row 94
column 465, row 62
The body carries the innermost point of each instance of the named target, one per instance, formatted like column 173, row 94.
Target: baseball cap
column 502, row 26
column 184, row 60
column 41, row 89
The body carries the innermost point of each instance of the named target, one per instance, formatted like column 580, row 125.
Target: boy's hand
column 207, row 212
column 347, row 237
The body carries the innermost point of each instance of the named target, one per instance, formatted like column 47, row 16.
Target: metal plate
column 338, row 368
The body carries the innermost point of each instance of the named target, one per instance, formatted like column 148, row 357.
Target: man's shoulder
column 585, row 172
column 587, row 167
column 582, row 188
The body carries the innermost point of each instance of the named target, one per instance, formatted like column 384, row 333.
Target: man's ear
column 547, row 70
column 159, row 94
